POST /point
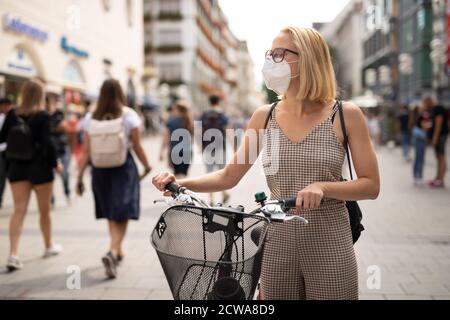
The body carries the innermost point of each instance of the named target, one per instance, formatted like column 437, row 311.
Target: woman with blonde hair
column 31, row 162
column 303, row 156
column 177, row 139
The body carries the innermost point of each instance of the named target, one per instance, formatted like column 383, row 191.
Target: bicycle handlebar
column 276, row 210
column 289, row 203
column 172, row 187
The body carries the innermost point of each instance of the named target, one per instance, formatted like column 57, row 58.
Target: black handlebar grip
column 172, row 187
column 290, row 203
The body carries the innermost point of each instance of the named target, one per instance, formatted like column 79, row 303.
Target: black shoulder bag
column 354, row 211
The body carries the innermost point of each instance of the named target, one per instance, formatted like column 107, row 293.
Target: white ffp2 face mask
column 277, row 76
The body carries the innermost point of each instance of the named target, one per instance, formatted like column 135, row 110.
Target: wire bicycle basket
column 210, row 253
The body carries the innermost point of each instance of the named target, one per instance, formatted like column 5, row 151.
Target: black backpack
column 20, row 144
column 212, row 119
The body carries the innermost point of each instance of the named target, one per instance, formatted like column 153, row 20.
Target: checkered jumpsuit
column 317, row 260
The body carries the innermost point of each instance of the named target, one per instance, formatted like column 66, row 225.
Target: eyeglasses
column 278, row 54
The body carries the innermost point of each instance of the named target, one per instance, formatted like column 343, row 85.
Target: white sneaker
column 13, row 263
column 419, row 183
column 53, row 250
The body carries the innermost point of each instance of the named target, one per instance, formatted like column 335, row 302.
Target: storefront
column 21, row 62
column 73, row 65
column 74, row 88
column 19, row 66
column 74, row 80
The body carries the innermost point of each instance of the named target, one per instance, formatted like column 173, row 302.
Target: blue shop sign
column 73, row 50
column 17, row 25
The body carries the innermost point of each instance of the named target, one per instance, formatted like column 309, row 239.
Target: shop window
column 20, row 62
column 169, row 37
column 170, row 71
column 72, row 73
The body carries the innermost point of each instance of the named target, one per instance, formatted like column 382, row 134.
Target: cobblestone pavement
column 403, row 254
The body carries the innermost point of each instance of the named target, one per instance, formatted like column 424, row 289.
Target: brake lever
column 179, row 199
column 183, row 198
column 276, row 213
column 165, row 200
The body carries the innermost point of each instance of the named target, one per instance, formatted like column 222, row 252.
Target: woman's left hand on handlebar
column 161, row 180
column 310, row 197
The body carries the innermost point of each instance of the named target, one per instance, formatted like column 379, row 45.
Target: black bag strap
column 269, row 116
column 27, row 121
column 344, row 132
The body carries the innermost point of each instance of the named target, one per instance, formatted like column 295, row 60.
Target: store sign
column 72, row 49
column 19, row 62
column 15, row 24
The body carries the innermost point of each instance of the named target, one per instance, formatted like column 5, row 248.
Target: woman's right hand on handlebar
column 161, row 180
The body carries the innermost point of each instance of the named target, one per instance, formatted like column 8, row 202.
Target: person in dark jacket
column 30, row 174
column 176, row 139
column 60, row 141
column 5, row 106
column 438, row 134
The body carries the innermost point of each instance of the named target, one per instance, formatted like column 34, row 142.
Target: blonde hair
column 317, row 78
column 32, row 97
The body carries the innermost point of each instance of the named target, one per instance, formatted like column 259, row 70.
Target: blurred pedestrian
column 111, row 131
column 438, row 135
column 177, row 139
column 419, row 140
column 72, row 132
column 374, row 128
column 31, row 160
column 214, row 125
column 58, row 128
column 5, row 108
column 403, row 121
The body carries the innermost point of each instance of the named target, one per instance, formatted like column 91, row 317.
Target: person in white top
column 116, row 189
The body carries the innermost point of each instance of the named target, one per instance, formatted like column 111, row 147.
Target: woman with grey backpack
column 111, row 131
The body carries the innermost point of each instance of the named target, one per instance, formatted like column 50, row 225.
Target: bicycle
column 214, row 253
